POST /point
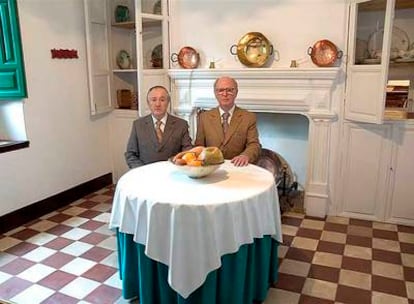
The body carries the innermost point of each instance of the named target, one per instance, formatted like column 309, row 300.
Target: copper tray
column 324, row 53
column 277, row 165
column 187, row 58
column 253, row 49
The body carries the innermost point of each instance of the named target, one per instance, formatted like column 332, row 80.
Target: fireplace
column 311, row 92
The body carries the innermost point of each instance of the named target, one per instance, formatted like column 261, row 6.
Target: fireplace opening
column 284, row 139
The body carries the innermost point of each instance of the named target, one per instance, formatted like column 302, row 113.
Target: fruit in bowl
column 198, row 161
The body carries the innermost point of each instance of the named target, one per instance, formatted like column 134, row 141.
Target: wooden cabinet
column 12, row 73
column 365, row 170
column 120, row 128
column 128, row 54
column 378, row 171
column 400, row 196
column 380, row 48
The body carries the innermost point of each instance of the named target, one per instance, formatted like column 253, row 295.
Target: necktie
column 225, row 116
column 158, row 130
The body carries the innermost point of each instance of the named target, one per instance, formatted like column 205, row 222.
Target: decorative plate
column 253, row 49
column 324, row 53
column 399, row 40
column 187, row 58
column 156, row 57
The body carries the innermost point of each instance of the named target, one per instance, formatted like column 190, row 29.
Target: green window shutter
column 12, row 75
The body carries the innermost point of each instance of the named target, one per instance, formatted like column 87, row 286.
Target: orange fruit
column 189, row 156
column 195, row 163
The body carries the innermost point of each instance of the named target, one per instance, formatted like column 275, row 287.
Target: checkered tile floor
column 69, row 256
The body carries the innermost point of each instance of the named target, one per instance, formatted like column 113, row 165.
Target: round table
column 190, row 224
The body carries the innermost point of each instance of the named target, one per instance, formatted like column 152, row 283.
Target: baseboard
column 45, row 206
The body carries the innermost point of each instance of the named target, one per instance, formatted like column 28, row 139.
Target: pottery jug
column 121, row 13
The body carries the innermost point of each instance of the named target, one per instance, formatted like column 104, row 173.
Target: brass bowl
column 253, row 49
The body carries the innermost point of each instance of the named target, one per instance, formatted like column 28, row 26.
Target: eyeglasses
column 230, row 91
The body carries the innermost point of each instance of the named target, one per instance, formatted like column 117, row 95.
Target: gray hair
column 159, row 87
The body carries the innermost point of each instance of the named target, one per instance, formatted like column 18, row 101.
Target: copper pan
column 324, row 53
column 187, row 58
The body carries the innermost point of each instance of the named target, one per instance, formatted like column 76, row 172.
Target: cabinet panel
column 121, row 124
column 365, row 170
column 401, row 202
column 363, row 94
column 97, row 39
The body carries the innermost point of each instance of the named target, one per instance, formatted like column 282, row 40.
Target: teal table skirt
column 244, row 277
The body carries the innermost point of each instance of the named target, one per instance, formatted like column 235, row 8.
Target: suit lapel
column 218, row 128
column 168, row 129
column 150, row 126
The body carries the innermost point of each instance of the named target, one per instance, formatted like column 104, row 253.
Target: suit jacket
column 242, row 136
column 143, row 147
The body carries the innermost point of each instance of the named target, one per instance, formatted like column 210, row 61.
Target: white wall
column 67, row 146
column 292, row 26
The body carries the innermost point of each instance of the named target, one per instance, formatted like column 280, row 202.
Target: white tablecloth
column 188, row 224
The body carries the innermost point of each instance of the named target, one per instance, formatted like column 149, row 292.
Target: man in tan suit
column 229, row 127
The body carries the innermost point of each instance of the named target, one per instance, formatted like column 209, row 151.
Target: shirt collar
column 163, row 120
column 230, row 111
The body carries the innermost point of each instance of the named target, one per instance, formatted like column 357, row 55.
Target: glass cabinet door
column 369, row 32
column 381, row 52
column 369, row 52
column 152, row 43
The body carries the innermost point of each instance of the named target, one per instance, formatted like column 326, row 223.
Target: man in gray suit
column 159, row 135
column 229, row 127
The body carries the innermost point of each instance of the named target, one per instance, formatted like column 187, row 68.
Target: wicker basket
column 124, row 99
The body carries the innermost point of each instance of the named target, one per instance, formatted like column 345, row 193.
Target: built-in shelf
column 380, row 5
column 125, row 25
column 124, row 70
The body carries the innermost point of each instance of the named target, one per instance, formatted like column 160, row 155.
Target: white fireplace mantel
column 306, row 91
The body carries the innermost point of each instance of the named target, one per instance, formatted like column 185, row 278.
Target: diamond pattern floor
column 69, row 256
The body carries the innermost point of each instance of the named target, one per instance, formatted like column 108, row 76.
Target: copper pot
column 187, row 58
column 324, row 53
